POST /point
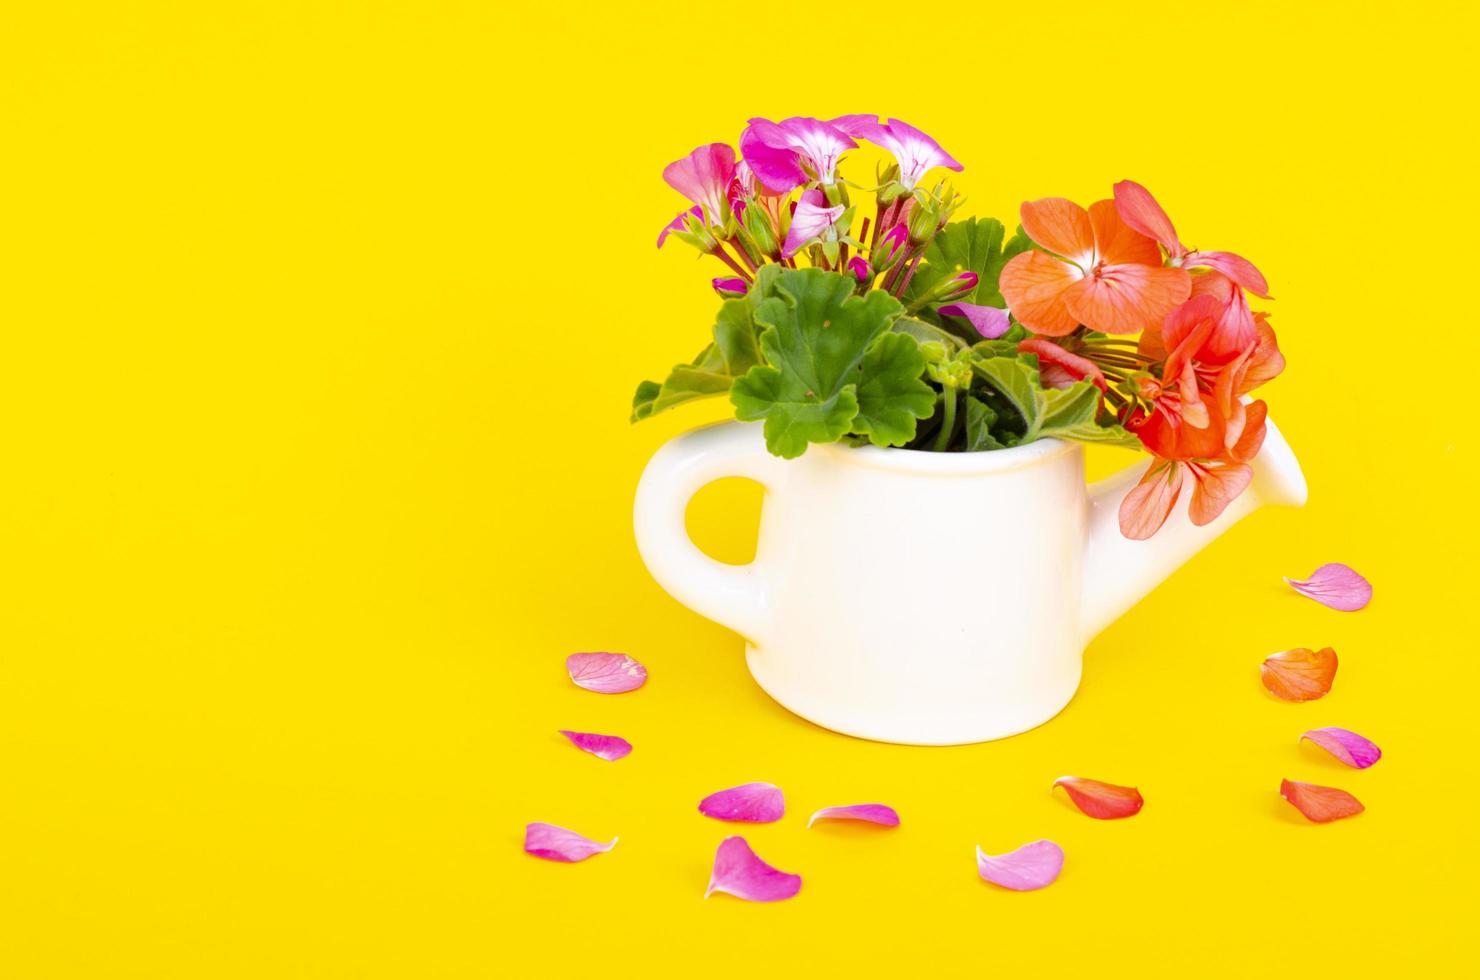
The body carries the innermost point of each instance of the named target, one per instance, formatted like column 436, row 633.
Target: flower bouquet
column 904, row 325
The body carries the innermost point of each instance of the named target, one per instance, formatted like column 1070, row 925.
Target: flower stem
column 914, row 264
column 948, row 424
column 723, row 256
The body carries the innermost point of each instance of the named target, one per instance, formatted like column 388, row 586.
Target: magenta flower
column 915, row 152
column 731, row 287
column 680, row 223
column 704, row 178
column 793, row 152
column 890, row 247
column 860, row 269
column 812, row 221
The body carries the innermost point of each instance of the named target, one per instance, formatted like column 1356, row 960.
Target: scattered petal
column 558, row 844
column 1103, row 801
column 606, row 673
column 608, row 747
column 750, row 803
column 1023, row 870
column 872, row 812
column 1320, row 804
column 1349, row 747
column 739, row 872
column 1300, row 674
column 1335, row 585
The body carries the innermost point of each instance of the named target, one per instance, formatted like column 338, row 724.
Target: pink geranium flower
column 793, row 152
column 812, row 222
column 704, row 178
column 915, row 152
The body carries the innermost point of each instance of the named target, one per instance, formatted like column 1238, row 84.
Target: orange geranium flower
column 1094, row 270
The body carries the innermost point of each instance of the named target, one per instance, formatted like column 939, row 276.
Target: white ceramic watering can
column 919, row 597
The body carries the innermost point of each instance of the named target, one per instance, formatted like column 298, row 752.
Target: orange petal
column 1033, row 284
column 1103, row 801
column 1215, row 488
column 1266, row 362
column 1320, row 804
column 1116, row 241
column 1300, row 674
column 1127, row 298
column 1252, row 437
column 1062, row 227
column 1144, row 510
column 1139, row 210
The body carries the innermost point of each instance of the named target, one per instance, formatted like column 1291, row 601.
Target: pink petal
column 1029, row 867
column 1103, row 801
column 809, row 222
column 606, row 673
column 989, row 321
column 558, row 844
column 704, row 178
column 608, row 747
column 1335, row 585
column 677, row 224
column 914, row 151
column 768, row 154
column 1349, row 747
column 738, row 872
column 872, row 812
column 1320, row 804
column 750, row 803
column 1235, row 267
column 821, row 143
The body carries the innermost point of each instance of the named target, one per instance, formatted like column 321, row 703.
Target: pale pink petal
column 1335, row 585
column 737, row 871
column 606, row 673
column 704, row 178
column 1349, row 747
column 608, row 747
column 1103, row 801
column 914, row 151
column 810, row 221
column 1025, row 869
column 750, row 803
column 988, row 321
column 558, row 844
column 872, row 812
column 1320, row 804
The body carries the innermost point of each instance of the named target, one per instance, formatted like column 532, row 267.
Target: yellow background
column 320, row 324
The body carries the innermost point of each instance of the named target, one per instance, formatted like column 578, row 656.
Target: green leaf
column 1016, row 381
column 979, row 421
column 891, row 396
column 975, row 245
column 927, row 333
column 815, row 338
column 734, row 351
column 707, row 375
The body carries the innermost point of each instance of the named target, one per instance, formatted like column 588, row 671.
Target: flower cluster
column 944, row 334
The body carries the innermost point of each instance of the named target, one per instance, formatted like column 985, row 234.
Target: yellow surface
column 320, row 324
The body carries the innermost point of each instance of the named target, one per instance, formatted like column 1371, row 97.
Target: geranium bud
column 860, row 269
column 955, row 287
column 762, row 233
column 731, row 287
column 890, row 247
column 924, row 221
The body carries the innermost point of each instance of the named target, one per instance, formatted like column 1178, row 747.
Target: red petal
column 1266, row 362
column 1117, row 242
column 1252, row 438
column 1320, row 804
column 1215, row 488
column 1144, row 510
column 1235, row 267
column 1300, row 674
column 1103, row 801
column 1078, row 368
column 1139, row 209
column 1235, row 331
column 1127, row 298
column 1062, row 227
column 1033, row 284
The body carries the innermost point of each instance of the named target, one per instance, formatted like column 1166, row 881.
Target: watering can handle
column 732, row 595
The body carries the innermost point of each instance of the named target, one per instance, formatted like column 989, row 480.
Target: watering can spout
column 1118, row 572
